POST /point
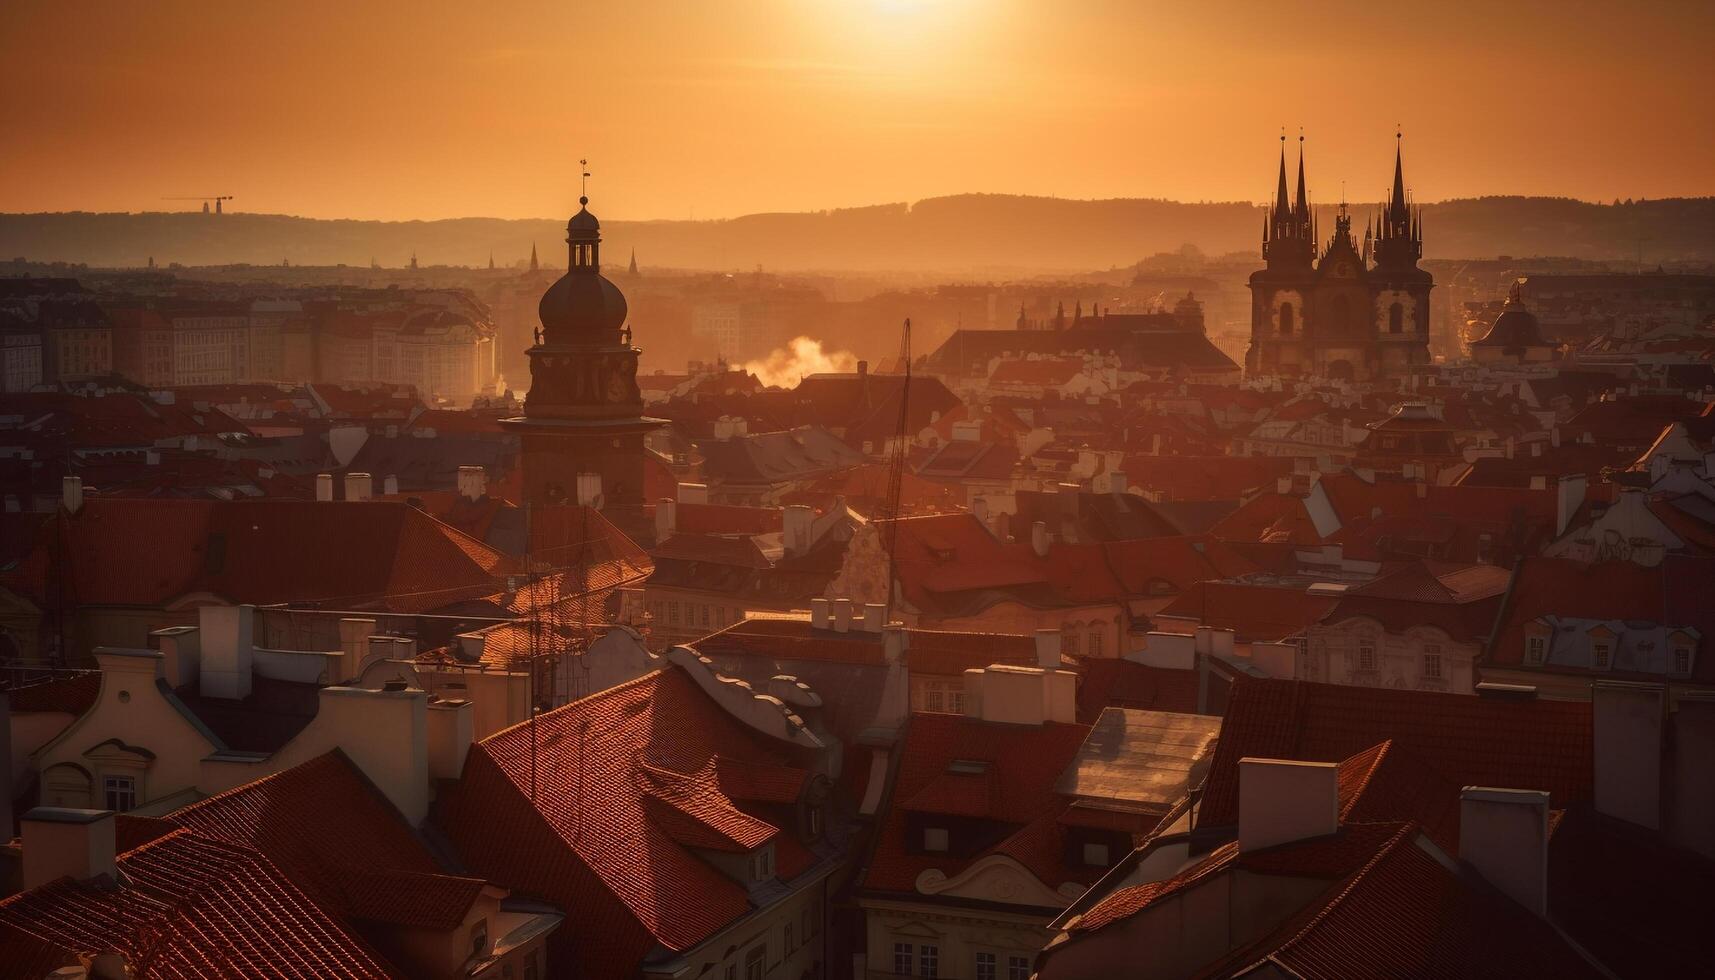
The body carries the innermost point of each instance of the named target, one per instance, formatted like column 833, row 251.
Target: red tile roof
column 1023, row 763
column 190, row 907
column 573, row 807
column 1461, row 601
column 1541, row 745
column 72, row 695
column 1110, row 683
column 1166, row 565
column 328, row 828
column 1256, row 613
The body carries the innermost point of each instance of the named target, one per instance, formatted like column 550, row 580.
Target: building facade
column 1339, row 310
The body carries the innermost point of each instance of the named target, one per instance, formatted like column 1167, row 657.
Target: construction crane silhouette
column 204, row 198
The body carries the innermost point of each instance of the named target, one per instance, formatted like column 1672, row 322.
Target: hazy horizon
column 384, row 112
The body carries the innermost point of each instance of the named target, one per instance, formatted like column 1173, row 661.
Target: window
column 1096, row 855
column 1682, row 660
column 755, row 962
column 763, row 863
column 932, row 699
column 1366, row 656
column 955, row 699
column 786, row 941
column 1095, row 644
column 673, row 612
column 1395, row 318
column 1069, row 641
column 732, row 972
column 934, row 838
column 1601, row 654
column 815, row 822
column 1432, row 661
column 1535, row 649
column 902, row 959
column 986, row 969
column 1017, row 968
column 479, row 938
column 1286, row 318
column 928, row 961
column 705, row 609
column 120, row 792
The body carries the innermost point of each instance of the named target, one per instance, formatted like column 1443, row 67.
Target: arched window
column 1286, row 318
column 1395, row 318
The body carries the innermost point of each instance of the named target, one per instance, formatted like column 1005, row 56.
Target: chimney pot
column 71, row 493
column 842, row 615
column 324, row 487
column 819, row 612
column 359, row 486
column 1039, row 538
column 874, row 615
column 1048, row 649
column 473, row 482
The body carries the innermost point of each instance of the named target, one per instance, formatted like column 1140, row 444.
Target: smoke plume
column 786, row 366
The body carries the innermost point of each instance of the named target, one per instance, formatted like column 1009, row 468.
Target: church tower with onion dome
column 583, row 427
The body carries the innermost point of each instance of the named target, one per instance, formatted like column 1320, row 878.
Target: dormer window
column 1682, row 660
column 935, row 839
column 1602, row 654
column 479, row 938
column 1535, row 650
column 762, row 863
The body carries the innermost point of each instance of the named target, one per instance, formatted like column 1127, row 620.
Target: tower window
column 1396, row 318
column 1286, row 318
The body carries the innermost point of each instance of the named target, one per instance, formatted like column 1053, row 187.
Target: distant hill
column 969, row 232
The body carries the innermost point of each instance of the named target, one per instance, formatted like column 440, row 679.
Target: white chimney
column 693, row 493
column 1039, row 538
column 324, row 487
column 473, row 482
column 71, row 493
column 1283, row 485
column 1503, row 834
column 181, row 653
column 842, row 615
column 819, row 612
column 589, row 490
column 796, row 521
column 1021, row 695
column 449, row 736
column 359, row 486
column 1571, row 489
column 874, row 615
column 390, row 485
column 1048, row 649
column 893, row 642
column 1628, row 721
column 60, row 842
column 1281, row 801
column 227, row 650
column 666, row 519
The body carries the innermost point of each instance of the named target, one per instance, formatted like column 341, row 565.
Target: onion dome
column 583, row 307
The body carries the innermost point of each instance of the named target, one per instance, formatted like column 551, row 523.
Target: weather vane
column 584, row 188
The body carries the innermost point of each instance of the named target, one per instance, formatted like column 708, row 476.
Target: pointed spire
column 1302, row 206
column 491, row 258
column 1280, row 200
column 633, row 267
column 533, row 264
column 1398, row 205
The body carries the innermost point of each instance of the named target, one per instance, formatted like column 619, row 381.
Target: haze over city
column 857, row 489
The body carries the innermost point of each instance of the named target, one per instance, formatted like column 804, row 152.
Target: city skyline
column 371, row 113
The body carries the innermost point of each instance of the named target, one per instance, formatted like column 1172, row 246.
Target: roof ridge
column 652, row 676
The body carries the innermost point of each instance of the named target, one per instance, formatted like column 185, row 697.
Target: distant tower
column 413, row 260
column 533, row 265
column 632, row 269
column 583, row 428
column 491, row 260
column 1401, row 289
column 151, row 261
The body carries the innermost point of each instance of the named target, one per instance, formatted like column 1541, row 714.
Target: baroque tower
column 1339, row 309
column 583, row 427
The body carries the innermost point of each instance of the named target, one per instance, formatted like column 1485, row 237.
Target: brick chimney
column 1281, row 801
column 60, row 842
column 1503, row 835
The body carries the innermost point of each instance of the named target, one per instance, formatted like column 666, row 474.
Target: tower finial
column 584, row 187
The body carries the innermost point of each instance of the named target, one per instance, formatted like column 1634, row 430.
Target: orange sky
column 427, row 110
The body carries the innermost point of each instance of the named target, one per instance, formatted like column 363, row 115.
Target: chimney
column 390, row 485
column 693, row 493
column 1503, row 835
column 60, row 842
column 796, row 521
column 980, row 510
column 1691, row 815
column 666, row 519
column 1281, row 801
column 228, row 633
column 1048, row 649
column 1012, row 695
column 589, row 490
column 71, row 493
column 449, row 734
column 842, row 615
column 181, row 654
column 874, row 615
column 1039, row 539
column 359, row 486
column 819, row 611
column 1628, row 720
column 863, row 369
column 473, row 482
column 324, row 487
column 1571, row 491
column 1283, row 485
column 354, row 644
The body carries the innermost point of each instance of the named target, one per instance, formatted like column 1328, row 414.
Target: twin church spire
column 1290, row 237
